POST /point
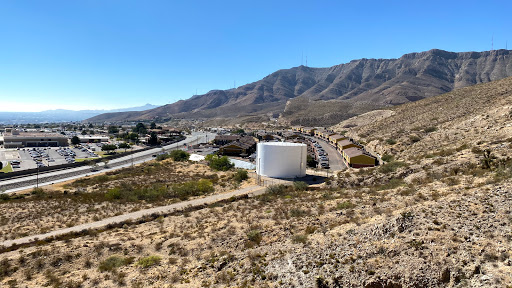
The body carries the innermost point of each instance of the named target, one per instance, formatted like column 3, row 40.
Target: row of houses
column 235, row 145
column 354, row 154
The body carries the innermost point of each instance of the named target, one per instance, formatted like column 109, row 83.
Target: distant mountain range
column 60, row 115
column 304, row 95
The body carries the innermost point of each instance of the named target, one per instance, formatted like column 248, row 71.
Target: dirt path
column 251, row 190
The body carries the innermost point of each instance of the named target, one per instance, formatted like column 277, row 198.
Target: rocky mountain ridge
column 366, row 83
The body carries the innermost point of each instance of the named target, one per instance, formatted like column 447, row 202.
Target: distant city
column 60, row 115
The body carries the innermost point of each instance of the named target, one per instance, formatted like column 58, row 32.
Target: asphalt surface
column 335, row 159
column 22, row 183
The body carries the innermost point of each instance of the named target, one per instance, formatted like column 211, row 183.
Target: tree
column 113, row 130
column 90, row 125
column 84, row 132
column 1, row 165
column 152, row 125
column 108, row 148
column 179, row 155
column 124, row 146
column 140, row 129
column 75, row 140
column 153, row 139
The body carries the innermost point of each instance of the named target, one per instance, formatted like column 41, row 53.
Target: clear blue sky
column 114, row 54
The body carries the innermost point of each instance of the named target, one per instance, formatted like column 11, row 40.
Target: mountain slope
column 358, row 86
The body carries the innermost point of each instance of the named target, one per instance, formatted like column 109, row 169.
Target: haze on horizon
column 116, row 54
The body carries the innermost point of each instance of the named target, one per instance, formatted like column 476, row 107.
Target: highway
column 22, row 183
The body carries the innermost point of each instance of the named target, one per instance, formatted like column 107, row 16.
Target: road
column 22, row 183
column 335, row 159
column 162, row 210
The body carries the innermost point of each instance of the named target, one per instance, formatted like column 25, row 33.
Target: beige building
column 34, row 139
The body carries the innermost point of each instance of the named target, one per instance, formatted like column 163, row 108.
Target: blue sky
column 114, row 54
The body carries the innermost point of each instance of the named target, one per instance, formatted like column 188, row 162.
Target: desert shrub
column 38, row 192
column 276, row 190
column 219, row 163
column 149, row 261
column 162, row 157
column 113, row 262
column 300, row 238
column 113, row 194
column 240, row 175
column 476, row 150
column 391, row 141
column 430, row 129
column 345, row 205
column 387, row 158
column 462, row 147
column 179, row 155
column 392, row 184
column 254, row 236
column 300, row 186
column 131, row 193
column 298, row 212
column 192, row 188
column 391, row 166
column 4, row 197
column 414, row 138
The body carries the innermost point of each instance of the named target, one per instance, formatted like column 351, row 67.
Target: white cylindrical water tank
column 281, row 159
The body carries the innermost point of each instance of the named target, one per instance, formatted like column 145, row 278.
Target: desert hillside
column 436, row 214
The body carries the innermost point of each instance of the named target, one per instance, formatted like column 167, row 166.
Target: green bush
column 240, row 175
column 179, row 155
column 113, row 262
column 149, row 261
column 345, row 205
column 219, row 163
column 254, row 236
column 300, row 186
column 162, row 157
column 4, row 197
column 113, row 194
column 391, row 166
column 391, row 141
column 300, row 238
column 276, row 190
column 192, row 188
column 387, row 158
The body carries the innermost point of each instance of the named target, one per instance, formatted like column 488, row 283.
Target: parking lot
column 30, row 158
column 329, row 155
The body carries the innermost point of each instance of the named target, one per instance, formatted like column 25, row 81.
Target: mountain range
column 60, row 115
column 323, row 96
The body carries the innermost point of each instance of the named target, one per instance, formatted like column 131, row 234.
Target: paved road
column 18, row 184
column 335, row 159
column 251, row 190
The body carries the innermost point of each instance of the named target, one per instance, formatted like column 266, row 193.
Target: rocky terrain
column 300, row 93
column 113, row 193
column 437, row 213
